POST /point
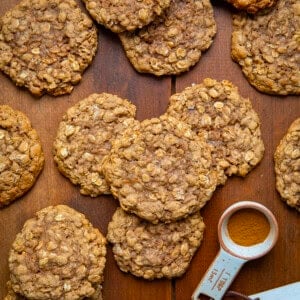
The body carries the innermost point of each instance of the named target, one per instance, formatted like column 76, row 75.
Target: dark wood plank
column 281, row 265
column 109, row 72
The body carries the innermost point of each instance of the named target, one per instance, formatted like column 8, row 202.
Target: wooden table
column 111, row 72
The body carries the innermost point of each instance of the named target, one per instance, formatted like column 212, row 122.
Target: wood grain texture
column 111, row 72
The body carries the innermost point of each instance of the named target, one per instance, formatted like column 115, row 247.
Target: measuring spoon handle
column 219, row 276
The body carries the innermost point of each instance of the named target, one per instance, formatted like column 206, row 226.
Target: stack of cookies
column 161, row 170
column 161, row 37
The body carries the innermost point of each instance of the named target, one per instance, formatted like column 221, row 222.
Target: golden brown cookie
column 266, row 46
column 218, row 113
column 287, row 166
column 122, row 15
column 160, row 170
column 172, row 43
column 154, row 251
column 252, row 6
column 21, row 156
column 84, row 137
column 58, row 255
column 45, row 45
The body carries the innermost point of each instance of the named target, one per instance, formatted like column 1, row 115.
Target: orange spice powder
column 248, row 227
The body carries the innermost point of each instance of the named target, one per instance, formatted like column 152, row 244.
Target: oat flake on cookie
column 252, row 6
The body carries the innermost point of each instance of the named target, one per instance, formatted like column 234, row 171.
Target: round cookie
column 266, row 46
column 287, row 166
column 129, row 15
column 252, row 6
column 58, row 255
column 45, row 45
column 154, row 250
column 160, row 170
column 217, row 112
column 84, row 137
column 21, row 155
column 172, row 43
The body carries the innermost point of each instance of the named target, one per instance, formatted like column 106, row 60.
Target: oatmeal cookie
column 58, row 255
column 252, row 6
column 266, row 46
column 160, row 170
column 121, row 15
column 154, row 250
column 84, row 137
column 217, row 112
column 172, row 43
column 287, row 166
column 21, row 155
column 45, row 45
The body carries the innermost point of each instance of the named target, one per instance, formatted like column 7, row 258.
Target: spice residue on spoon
column 248, row 227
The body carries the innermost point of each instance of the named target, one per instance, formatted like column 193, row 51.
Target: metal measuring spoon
column 232, row 256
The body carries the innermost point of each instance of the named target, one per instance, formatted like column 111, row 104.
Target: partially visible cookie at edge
column 287, row 166
column 266, row 46
column 84, row 138
column 160, row 170
column 21, row 157
column 11, row 295
column 154, row 251
column 58, row 255
column 126, row 15
column 45, row 45
column 218, row 113
column 252, row 6
column 173, row 42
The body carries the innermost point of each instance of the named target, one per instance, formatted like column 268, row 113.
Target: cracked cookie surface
column 252, row 6
column 266, row 46
column 160, row 170
column 154, row 250
column 125, row 15
column 45, row 45
column 84, row 138
column 173, row 42
column 58, row 255
column 287, row 166
column 218, row 113
column 21, row 157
